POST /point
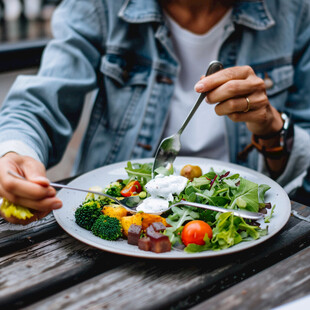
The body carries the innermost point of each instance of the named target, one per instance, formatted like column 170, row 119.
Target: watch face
column 287, row 133
column 286, row 120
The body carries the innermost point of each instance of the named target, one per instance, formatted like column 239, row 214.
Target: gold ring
column 247, row 105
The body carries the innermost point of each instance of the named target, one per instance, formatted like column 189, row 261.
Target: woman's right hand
column 37, row 194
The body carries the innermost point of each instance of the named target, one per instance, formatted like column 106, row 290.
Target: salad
column 187, row 228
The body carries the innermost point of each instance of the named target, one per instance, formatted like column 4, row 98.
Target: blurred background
column 24, row 32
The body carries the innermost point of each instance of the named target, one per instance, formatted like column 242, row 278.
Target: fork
column 131, row 203
column 170, row 146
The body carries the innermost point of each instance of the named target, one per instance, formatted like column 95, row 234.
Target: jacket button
column 163, row 79
column 268, row 81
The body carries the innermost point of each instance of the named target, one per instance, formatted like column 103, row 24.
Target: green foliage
column 207, row 216
column 225, row 190
column 114, row 189
column 268, row 217
column 179, row 216
column 246, row 197
column 139, row 172
column 228, row 231
column 87, row 214
column 108, row 228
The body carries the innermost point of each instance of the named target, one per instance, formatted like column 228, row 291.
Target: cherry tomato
column 194, row 232
column 132, row 188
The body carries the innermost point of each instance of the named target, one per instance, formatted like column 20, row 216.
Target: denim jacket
column 123, row 49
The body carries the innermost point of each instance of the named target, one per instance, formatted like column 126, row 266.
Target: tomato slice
column 194, row 232
column 132, row 188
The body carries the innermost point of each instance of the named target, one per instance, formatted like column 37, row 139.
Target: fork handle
column 57, row 185
column 242, row 213
column 214, row 66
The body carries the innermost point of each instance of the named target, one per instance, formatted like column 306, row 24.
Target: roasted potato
column 191, row 172
column 143, row 219
column 114, row 211
column 126, row 221
column 148, row 219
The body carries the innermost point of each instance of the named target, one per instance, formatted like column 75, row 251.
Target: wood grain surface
column 286, row 281
column 55, row 271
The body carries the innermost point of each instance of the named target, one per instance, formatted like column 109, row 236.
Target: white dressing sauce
column 153, row 205
column 161, row 189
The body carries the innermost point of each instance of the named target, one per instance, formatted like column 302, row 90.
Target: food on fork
column 18, row 214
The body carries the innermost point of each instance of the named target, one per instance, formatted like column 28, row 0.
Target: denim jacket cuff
column 18, row 147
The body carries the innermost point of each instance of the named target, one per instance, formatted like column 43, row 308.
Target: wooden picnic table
column 43, row 267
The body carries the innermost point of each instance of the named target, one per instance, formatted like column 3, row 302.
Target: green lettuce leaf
column 179, row 216
column 140, row 172
column 246, row 196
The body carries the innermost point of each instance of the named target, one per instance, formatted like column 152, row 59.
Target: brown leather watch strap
column 268, row 152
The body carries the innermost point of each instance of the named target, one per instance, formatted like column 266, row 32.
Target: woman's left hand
column 241, row 95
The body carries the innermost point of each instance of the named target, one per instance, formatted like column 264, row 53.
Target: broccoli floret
column 115, row 188
column 108, row 228
column 102, row 201
column 87, row 214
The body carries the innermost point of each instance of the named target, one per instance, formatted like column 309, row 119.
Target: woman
column 133, row 52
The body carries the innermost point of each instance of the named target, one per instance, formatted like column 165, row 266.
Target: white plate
column 103, row 176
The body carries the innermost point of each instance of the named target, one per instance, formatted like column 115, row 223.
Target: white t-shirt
column 205, row 135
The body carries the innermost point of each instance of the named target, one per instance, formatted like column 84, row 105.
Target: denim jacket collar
column 135, row 11
column 250, row 13
column 253, row 14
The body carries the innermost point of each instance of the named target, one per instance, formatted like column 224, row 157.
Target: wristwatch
column 286, row 134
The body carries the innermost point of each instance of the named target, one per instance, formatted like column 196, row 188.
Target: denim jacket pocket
column 125, row 72
column 277, row 79
column 125, row 83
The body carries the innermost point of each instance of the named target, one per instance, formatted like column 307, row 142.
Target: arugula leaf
column 194, row 248
column 268, row 217
column 140, row 172
column 174, row 235
column 225, row 232
column 262, row 189
column 201, row 183
column 213, row 199
column 179, row 216
column 246, row 196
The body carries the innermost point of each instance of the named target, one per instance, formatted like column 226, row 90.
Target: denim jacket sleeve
column 43, row 110
column 298, row 101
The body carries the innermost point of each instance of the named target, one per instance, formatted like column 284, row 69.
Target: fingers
column 229, row 90
column 240, row 104
column 236, row 89
column 221, row 77
column 35, row 193
column 230, row 83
